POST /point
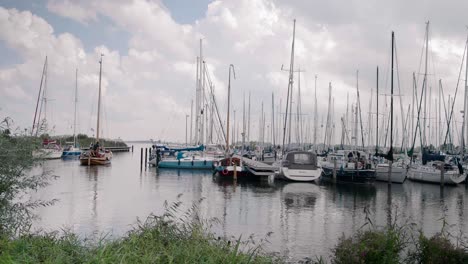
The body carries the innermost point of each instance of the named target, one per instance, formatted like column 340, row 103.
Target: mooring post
column 235, row 172
column 132, row 148
column 89, row 159
column 442, row 169
column 389, row 176
column 141, row 159
column 334, row 170
column 146, row 157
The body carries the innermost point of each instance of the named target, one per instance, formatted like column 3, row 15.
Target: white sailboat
column 390, row 171
column 296, row 165
column 49, row 148
column 73, row 150
column 429, row 170
column 97, row 155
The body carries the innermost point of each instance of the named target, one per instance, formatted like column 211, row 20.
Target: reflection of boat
column 100, row 156
column 300, row 195
column 299, row 166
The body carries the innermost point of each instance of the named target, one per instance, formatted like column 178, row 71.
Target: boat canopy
column 301, row 160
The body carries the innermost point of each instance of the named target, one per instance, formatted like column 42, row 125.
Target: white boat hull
column 298, row 175
column 398, row 173
column 432, row 175
column 48, row 153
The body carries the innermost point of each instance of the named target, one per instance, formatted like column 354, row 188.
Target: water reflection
column 306, row 219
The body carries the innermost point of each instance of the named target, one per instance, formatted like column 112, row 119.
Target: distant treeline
column 84, row 141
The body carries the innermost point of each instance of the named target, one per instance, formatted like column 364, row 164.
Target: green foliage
column 19, row 175
column 439, row 249
column 379, row 246
column 159, row 239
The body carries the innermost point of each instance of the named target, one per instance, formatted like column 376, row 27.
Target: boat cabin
column 300, row 160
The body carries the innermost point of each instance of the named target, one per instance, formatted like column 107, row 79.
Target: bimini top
column 301, row 160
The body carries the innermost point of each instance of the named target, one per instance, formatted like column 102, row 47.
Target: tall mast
column 359, row 108
column 248, row 122
column 465, row 112
column 377, row 114
column 197, row 103
column 76, row 101
column 243, row 125
column 391, row 101
column 290, row 84
column 425, row 83
column 99, row 99
column 228, row 106
column 315, row 114
column 38, row 99
column 273, row 118
column 191, row 121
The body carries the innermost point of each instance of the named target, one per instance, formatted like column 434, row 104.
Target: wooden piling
column 442, row 169
column 132, row 148
column 146, row 157
column 235, row 172
column 141, row 159
column 389, row 176
column 334, row 170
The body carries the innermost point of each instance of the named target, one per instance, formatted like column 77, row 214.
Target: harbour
column 306, row 219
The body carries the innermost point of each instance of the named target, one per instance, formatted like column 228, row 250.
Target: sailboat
column 391, row 172
column 73, row 150
column 429, row 170
column 99, row 156
column 229, row 165
column 296, row 165
column 49, row 148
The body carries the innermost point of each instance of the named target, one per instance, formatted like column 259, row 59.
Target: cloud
column 148, row 87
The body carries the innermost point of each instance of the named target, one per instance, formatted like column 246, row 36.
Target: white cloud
column 149, row 87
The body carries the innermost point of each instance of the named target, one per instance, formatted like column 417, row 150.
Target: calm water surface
column 306, row 219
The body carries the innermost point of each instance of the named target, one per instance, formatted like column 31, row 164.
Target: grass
column 159, row 239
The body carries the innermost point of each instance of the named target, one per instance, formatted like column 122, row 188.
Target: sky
column 150, row 49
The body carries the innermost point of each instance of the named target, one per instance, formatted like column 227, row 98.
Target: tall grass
column 170, row 238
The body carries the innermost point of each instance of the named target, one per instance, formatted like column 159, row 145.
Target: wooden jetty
column 257, row 168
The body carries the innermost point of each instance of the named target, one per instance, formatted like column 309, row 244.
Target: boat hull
column 104, row 158
column 349, row 175
column 228, row 171
column 186, row 164
column 398, row 174
column 48, row 154
column 66, row 154
column 431, row 175
column 298, row 175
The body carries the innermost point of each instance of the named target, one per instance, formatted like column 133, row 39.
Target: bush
column 17, row 180
column 439, row 249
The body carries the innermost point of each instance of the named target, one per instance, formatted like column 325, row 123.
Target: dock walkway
column 256, row 167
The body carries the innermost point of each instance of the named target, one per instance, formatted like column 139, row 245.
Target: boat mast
column 464, row 130
column 99, row 99
column 377, row 114
column 425, row 84
column 76, row 101
column 38, row 99
column 390, row 152
column 248, row 121
column 359, row 108
column 273, row 118
column 291, row 80
column 228, row 106
column 315, row 114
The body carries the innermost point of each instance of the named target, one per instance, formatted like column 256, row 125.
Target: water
column 306, row 219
